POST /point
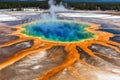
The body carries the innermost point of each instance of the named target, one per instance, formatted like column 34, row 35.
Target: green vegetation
column 6, row 5
column 95, row 6
column 74, row 5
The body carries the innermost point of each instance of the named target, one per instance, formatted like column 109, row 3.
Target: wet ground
column 97, row 61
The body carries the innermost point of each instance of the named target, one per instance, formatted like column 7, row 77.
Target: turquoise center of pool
column 58, row 31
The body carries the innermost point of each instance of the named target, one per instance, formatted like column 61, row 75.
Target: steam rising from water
column 53, row 9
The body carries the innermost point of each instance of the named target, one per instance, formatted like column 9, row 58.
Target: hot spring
column 58, row 31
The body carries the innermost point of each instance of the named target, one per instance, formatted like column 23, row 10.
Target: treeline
column 94, row 6
column 74, row 5
column 9, row 5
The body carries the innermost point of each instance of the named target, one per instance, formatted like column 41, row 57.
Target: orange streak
column 100, row 38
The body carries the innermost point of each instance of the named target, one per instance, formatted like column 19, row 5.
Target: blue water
column 113, row 31
column 58, row 31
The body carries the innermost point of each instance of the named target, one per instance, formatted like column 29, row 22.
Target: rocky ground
column 21, row 59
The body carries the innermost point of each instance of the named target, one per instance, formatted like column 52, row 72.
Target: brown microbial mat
column 25, row 56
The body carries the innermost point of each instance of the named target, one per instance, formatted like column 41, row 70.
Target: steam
column 53, row 9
